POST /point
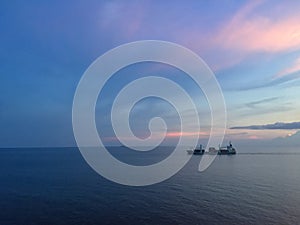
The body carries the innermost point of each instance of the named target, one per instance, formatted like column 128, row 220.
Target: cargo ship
column 227, row 150
column 196, row 151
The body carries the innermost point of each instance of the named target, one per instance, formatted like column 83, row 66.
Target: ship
column 212, row 151
column 227, row 150
column 196, row 151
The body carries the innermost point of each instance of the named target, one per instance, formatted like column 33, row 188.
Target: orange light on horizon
column 179, row 134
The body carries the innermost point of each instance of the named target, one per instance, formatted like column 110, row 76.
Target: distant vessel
column 212, row 151
column 196, row 151
column 228, row 150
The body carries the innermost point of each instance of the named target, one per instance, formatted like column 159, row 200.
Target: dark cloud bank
column 286, row 142
column 274, row 126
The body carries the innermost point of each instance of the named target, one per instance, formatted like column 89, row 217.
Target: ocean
column 56, row 186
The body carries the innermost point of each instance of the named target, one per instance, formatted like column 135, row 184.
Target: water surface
column 56, row 186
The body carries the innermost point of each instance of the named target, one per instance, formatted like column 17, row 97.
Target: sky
column 253, row 48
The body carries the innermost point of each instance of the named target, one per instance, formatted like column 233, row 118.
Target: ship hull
column 226, row 153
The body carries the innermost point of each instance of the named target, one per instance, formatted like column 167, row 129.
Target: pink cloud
column 295, row 67
column 180, row 134
column 258, row 27
column 250, row 32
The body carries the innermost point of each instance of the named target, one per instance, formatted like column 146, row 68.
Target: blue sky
column 253, row 47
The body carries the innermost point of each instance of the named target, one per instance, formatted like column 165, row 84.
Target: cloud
column 294, row 68
column 274, row 126
column 192, row 134
column 287, row 141
column 250, row 31
column 270, row 83
column 255, row 28
column 254, row 104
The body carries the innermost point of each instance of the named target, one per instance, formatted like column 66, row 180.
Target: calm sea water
column 56, row 186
